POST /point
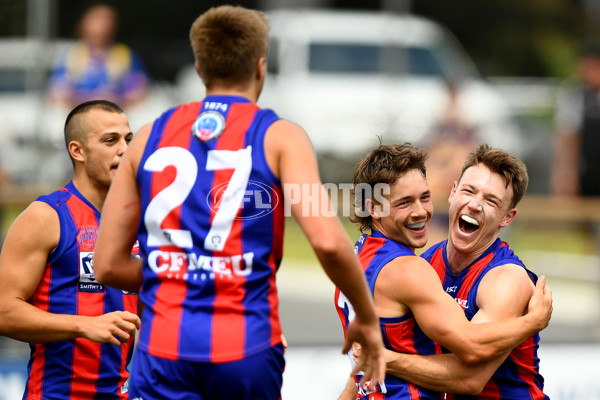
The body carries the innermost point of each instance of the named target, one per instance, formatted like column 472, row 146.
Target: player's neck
column 248, row 91
column 93, row 193
column 459, row 259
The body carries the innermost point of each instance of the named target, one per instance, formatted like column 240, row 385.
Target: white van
column 349, row 77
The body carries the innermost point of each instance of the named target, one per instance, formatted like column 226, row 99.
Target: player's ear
column 373, row 210
column 76, row 150
column 261, row 69
column 508, row 218
column 452, row 191
column 197, row 68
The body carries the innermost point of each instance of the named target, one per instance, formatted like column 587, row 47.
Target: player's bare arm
column 440, row 317
column 447, row 372
column 113, row 263
column 443, row 372
column 29, row 241
column 291, row 157
column 350, row 391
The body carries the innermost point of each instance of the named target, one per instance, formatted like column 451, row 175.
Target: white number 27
column 175, row 194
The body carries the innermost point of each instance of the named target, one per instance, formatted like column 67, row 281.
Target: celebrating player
column 486, row 278
column 416, row 315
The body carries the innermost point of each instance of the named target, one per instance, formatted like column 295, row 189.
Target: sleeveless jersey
column 211, row 233
column 80, row 368
column 518, row 377
column 401, row 334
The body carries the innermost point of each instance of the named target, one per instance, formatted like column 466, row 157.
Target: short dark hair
column 502, row 163
column 75, row 127
column 385, row 164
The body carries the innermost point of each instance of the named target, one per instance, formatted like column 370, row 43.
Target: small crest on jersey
column 208, row 126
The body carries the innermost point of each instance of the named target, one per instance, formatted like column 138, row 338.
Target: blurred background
column 518, row 74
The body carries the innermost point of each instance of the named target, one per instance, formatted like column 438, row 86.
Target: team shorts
column 257, row 377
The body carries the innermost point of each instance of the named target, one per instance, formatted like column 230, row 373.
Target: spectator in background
column 97, row 67
column 576, row 165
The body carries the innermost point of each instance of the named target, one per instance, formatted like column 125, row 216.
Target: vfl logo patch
column 463, row 303
column 87, row 280
column 208, row 126
column 258, row 199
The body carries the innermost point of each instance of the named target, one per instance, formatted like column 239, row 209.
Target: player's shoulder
column 505, row 288
column 38, row 220
column 55, row 198
column 286, row 142
column 283, row 128
column 45, row 210
column 411, row 273
column 407, row 267
column 507, row 278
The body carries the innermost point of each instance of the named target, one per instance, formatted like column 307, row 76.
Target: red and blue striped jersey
column 211, row 233
column 80, row 368
column 402, row 333
column 518, row 377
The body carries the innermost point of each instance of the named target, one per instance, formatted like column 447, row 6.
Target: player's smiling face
column 478, row 209
column 410, row 209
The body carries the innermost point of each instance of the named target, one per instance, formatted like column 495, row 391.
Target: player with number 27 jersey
column 211, row 233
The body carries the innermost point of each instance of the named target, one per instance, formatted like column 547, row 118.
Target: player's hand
column 540, row 305
column 371, row 360
column 390, row 356
column 116, row 327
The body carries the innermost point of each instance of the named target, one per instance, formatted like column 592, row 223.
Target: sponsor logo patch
column 87, row 280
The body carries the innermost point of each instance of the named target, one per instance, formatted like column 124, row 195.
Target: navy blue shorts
column 257, row 377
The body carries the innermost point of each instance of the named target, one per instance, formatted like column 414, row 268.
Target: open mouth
column 468, row 224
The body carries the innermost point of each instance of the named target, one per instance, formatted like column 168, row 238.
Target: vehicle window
column 326, row 57
column 365, row 58
column 423, row 62
column 12, row 80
